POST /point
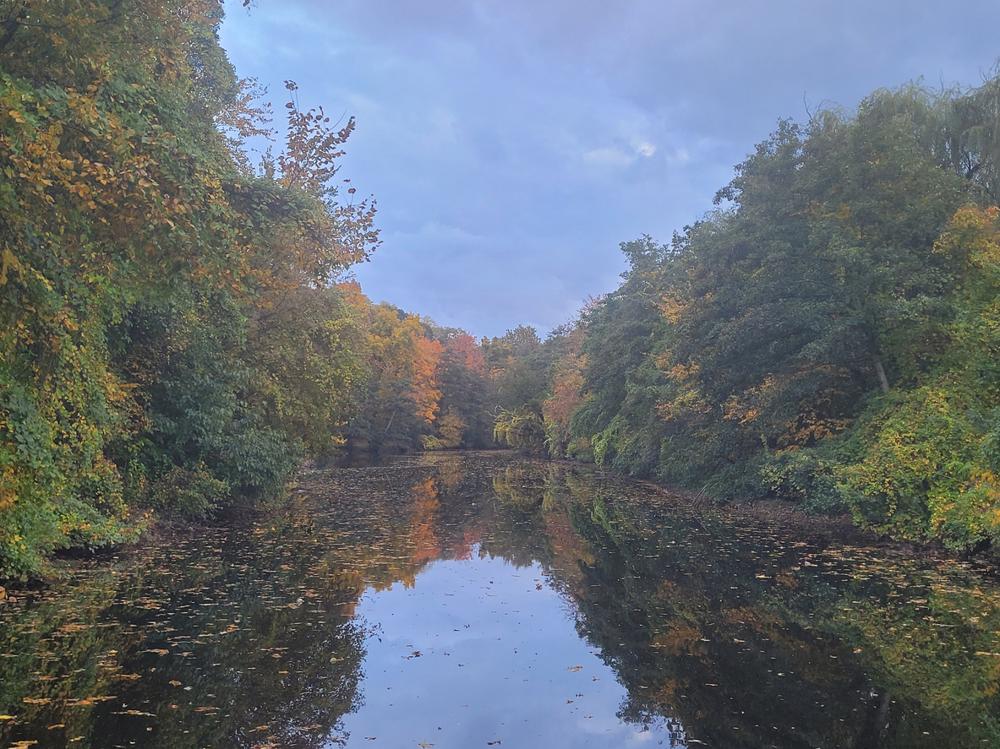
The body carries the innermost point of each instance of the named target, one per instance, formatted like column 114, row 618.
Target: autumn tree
column 169, row 326
column 804, row 338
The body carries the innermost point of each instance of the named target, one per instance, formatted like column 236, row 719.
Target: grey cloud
column 513, row 145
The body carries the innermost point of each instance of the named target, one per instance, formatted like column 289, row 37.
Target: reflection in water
column 458, row 600
column 480, row 650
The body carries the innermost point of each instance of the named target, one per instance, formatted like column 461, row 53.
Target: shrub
column 805, row 476
column 192, row 493
column 522, row 429
column 928, row 470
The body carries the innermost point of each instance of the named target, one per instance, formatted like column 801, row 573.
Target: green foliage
column 518, row 366
column 917, row 478
column 827, row 335
column 522, row 430
column 190, row 493
column 167, row 320
column 929, row 464
column 806, row 477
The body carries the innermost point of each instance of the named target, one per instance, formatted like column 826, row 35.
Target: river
column 484, row 600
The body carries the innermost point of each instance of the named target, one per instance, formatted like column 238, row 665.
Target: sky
column 512, row 145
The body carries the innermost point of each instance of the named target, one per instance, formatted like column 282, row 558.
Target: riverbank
column 774, row 513
column 791, row 517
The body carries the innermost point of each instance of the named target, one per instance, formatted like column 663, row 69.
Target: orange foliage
column 671, row 308
column 424, row 390
column 426, row 546
column 466, row 349
column 567, row 393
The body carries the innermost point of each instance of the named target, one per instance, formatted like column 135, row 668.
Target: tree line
column 829, row 333
column 177, row 332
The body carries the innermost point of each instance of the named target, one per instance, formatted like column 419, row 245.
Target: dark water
column 461, row 601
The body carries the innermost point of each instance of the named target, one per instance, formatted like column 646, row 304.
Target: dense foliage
column 175, row 332
column 829, row 334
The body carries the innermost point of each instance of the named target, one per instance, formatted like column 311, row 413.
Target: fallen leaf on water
column 90, row 701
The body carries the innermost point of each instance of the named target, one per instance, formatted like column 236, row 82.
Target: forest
column 829, row 334
column 180, row 331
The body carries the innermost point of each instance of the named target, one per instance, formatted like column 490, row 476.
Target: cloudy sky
column 512, row 144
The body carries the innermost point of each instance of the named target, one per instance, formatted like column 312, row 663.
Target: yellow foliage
column 8, row 495
column 672, row 308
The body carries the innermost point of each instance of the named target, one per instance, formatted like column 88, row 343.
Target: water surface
column 457, row 601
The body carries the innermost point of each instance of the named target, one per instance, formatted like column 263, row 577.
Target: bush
column 928, row 470
column 580, row 449
column 804, row 476
column 194, row 494
column 522, row 429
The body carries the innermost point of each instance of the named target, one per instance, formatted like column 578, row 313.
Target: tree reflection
column 752, row 639
column 734, row 634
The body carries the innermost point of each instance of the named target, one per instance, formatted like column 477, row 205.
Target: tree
column 166, row 305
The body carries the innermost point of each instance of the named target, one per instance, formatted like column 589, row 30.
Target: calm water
column 461, row 601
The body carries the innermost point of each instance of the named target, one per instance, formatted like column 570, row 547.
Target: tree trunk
column 883, row 381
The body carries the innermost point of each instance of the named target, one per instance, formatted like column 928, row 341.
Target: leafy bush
column 928, row 470
column 192, row 493
column 522, row 429
column 805, row 477
column 166, row 306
